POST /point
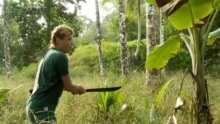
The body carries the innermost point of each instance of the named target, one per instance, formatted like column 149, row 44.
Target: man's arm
column 68, row 86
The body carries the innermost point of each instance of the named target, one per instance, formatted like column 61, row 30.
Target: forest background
column 29, row 23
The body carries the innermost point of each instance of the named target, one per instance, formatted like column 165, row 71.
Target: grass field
column 130, row 105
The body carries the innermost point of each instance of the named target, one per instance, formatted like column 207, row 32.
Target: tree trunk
column 202, row 99
column 152, row 38
column 139, row 27
column 202, row 109
column 124, row 56
column 6, row 40
column 161, row 27
column 98, row 37
column 161, row 33
column 48, row 17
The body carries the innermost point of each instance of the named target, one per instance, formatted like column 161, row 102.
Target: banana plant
column 197, row 16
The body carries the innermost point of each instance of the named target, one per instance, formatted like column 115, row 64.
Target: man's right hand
column 80, row 90
column 73, row 88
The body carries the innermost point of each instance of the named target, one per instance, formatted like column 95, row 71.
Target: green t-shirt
column 55, row 65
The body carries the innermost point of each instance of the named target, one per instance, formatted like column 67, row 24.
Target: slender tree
column 152, row 37
column 161, row 32
column 130, row 17
column 98, row 38
column 139, row 26
column 48, row 17
column 6, row 40
column 161, row 26
column 122, row 30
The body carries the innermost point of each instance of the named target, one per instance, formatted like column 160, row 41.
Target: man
column 52, row 78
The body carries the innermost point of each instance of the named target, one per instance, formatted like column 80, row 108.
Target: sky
column 1, row 2
column 88, row 9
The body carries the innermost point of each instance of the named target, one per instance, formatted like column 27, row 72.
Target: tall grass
column 85, row 109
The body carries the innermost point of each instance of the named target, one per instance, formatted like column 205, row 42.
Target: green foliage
column 169, row 30
column 199, row 9
column 137, row 63
column 12, row 108
column 212, row 65
column 80, row 70
column 25, row 17
column 3, row 92
column 86, row 57
column 150, row 1
column 109, row 100
column 29, row 71
column 181, row 61
column 111, row 56
column 110, row 26
column 153, row 115
column 216, row 3
column 87, row 37
column 159, row 57
column 110, row 23
column 31, row 22
column 83, row 109
column 161, row 93
column 196, row 14
column 154, row 110
column 2, row 64
column 213, row 36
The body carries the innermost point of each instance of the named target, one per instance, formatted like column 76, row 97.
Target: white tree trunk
column 139, row 27
column 161, row 33
column 98, row 38
column 152, row 37
column 161, row 27
column 122, row 30
column 6, row 40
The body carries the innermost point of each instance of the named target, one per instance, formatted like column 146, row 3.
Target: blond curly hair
column 58, row 32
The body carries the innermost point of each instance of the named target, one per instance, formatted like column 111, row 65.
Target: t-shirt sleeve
column 62, row 65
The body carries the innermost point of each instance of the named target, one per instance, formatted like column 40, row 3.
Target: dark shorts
column 41, row 116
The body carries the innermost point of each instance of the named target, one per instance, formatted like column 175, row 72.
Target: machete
column 107, row 89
